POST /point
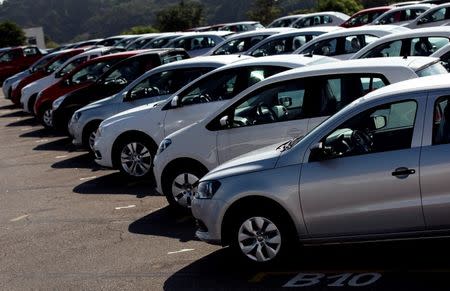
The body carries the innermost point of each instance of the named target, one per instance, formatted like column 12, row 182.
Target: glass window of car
column 282, row 45
column 9, row 56
column 327, row 47
column 125, row 72
column 356, row 42
column 441, row 121
column 388, row 127
column 438, row 15
column 389, row 49
column 57, row 64
column 226, row 84
column 240, row 45
column 173, row 58
column 165, row 83
column 30, row 51
column 359, row 19
column 92, row 72
column 425, row 46
column 433, row 69
column 72, row 65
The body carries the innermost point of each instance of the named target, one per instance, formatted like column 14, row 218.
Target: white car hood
column 99, row 103
column 143, row 109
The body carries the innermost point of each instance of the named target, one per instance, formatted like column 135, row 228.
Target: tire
column 45, row 116
column 134, row 157
column 89, row 135
column 184, row 181
column 261, row 237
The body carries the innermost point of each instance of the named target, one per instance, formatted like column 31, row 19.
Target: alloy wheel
column 183, row 188
column 91, row 140
column 136, row 159
column 47, row 118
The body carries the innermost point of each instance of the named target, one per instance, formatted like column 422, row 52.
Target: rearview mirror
column 175, row 101
column 224, row 121
column 379, row 121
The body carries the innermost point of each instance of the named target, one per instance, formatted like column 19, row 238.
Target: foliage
column 11, row 34
column 140, row 29
column 345, row 6
column 181, row 16
column 264, row 11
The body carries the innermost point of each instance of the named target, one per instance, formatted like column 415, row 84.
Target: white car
column 33, row 89
column 285, row 21
column 326, row 18
column 128, row 141
column 289, row 41
column 343, row 44
column 401, row 15
column 418, row 42
column 155, row 85
column 436, row 16
column 444, row 55
column 241, row 26
column 284, row 106
column 240, row 43
column 198, row 43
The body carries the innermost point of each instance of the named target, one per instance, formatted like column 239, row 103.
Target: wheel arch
column 172, row 165
column 130, row 134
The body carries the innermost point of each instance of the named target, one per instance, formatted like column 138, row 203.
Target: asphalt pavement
column 67, row 224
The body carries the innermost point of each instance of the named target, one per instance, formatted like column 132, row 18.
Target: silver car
column 378, row 169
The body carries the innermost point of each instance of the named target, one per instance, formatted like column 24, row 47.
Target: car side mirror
column 175, row 101
column 422, row 21
column 379, row 121
column 224, row 121
column 127, row 96
column 319, row 152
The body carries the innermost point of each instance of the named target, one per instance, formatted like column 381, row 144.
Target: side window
column 326, row 47
column 354, row 43
column 280, row 46
column 327, row 19
column 202, row 43
column 30, row 51
column 388, row 127
column 275, row 103
column 72, row 65
column 425, row 46
column 125, row 72
column 390, row 49
column 437, row 15
column 91, row 72
column 231, row 47
column 445, row 61
column 9, row 56
column 441, row 121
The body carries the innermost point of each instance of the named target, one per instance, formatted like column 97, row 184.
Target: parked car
column 17, row 59
column 52, row 65
column 7, row 86
column 149, row 124
column 240, row 43
column 401, row 15
column 365, row 16
column 343, row 44
column 162, row 40
column 376, row 170
column 242, row 26
column 285, row 21
column 111, row 82
column 287, row 42
column 327, row 18
column 284, row 106
column 436, row 16
column 418, row 42
column 101, row 77
column 112, row 40
column 126, row 41
column 142, row 41
column 198, row 43
column 30, row 92
column 155, row 85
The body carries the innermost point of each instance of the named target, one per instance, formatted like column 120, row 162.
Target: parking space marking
column 181, row 251
column 88, row 178
column 61, row 157
column 41, row 140
column 19, row 218
column 26, row 129
column 125, row 207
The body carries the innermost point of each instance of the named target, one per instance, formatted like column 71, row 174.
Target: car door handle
column 403, row 172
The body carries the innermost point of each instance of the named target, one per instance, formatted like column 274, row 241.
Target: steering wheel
column 261, row 115
column 362, row 141
column 204, row 98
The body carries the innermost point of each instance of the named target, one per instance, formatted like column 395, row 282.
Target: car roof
column 312, row 29
column 373, row 9
column 240, row 22
column 260, row 32
column 418, row 5
column 290, row 16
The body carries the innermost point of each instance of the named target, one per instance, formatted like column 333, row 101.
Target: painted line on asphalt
column 88, row 178
column 125, row 207
column 61, row 157
column 19, row 218
column 181, row 251
column 41, row 140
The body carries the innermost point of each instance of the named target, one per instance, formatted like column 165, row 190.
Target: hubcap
column 91, row 140
column 136, row 159
column 259, row 239
column 183, row 188
column 48, row 117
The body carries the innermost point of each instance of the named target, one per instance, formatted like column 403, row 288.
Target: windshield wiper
column 289, row 144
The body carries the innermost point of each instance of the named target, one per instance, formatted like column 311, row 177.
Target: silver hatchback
column 378, row 169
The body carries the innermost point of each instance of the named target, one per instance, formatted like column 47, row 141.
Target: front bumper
column 158, row 167
column 209, row 213
column 75, row 132
column 102, row 151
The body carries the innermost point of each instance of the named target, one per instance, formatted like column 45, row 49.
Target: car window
column 388, row 127
column 226, row 84
column 126, row 72
column 437, row 15
column 425, row 46
column 354, row 43
column 312, row 21
column 389, row 49
column 359, row 19
column 92, row 72
column 433, row 69
column 327, row 47
column 30, row 51
column 9, row 56
column 167, row 82
column 240, row 45
column 282, row 45
column 56, row 64
column 172, row 58
column 441, row 121
column 72, row 65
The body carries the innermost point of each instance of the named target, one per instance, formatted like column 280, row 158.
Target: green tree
column 345, row 6
column 140, row 29
column 264, row 11
column 11, row 34
column 181, row 16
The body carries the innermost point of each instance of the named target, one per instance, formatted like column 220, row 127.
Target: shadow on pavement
column 10, row 107
column 413, row 265
column 41, row 133
column 64, row 144
column 116, row 183
column 85, row 161
column 24, row 122
column 166, row 223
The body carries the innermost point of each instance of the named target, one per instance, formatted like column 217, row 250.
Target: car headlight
column 58, row 102
column 207, row 189
column 76, row 116
column 164, row 145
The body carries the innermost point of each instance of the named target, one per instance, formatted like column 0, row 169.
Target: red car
column 82, row 76
column 17, row 59
column 60, row 58
column 365, row 16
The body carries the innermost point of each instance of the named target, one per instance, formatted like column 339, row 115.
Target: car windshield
column 72, row 65
column 433, row 69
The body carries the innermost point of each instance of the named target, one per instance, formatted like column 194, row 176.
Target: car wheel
column 181, row 185
column 135, row 157
column 47, row 117
column 261, row 237
column 89, row 135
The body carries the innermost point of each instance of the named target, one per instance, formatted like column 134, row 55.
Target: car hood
column 131, row 113
column 100, row 103
column 258, row 160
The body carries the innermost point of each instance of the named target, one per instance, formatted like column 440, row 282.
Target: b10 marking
column 341, row 280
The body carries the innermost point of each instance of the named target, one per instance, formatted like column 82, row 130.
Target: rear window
column 434, row 69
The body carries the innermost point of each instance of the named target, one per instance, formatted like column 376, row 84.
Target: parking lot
column 67, row 224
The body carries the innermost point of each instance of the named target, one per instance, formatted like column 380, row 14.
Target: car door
column 435, row 162
column 368, row 183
